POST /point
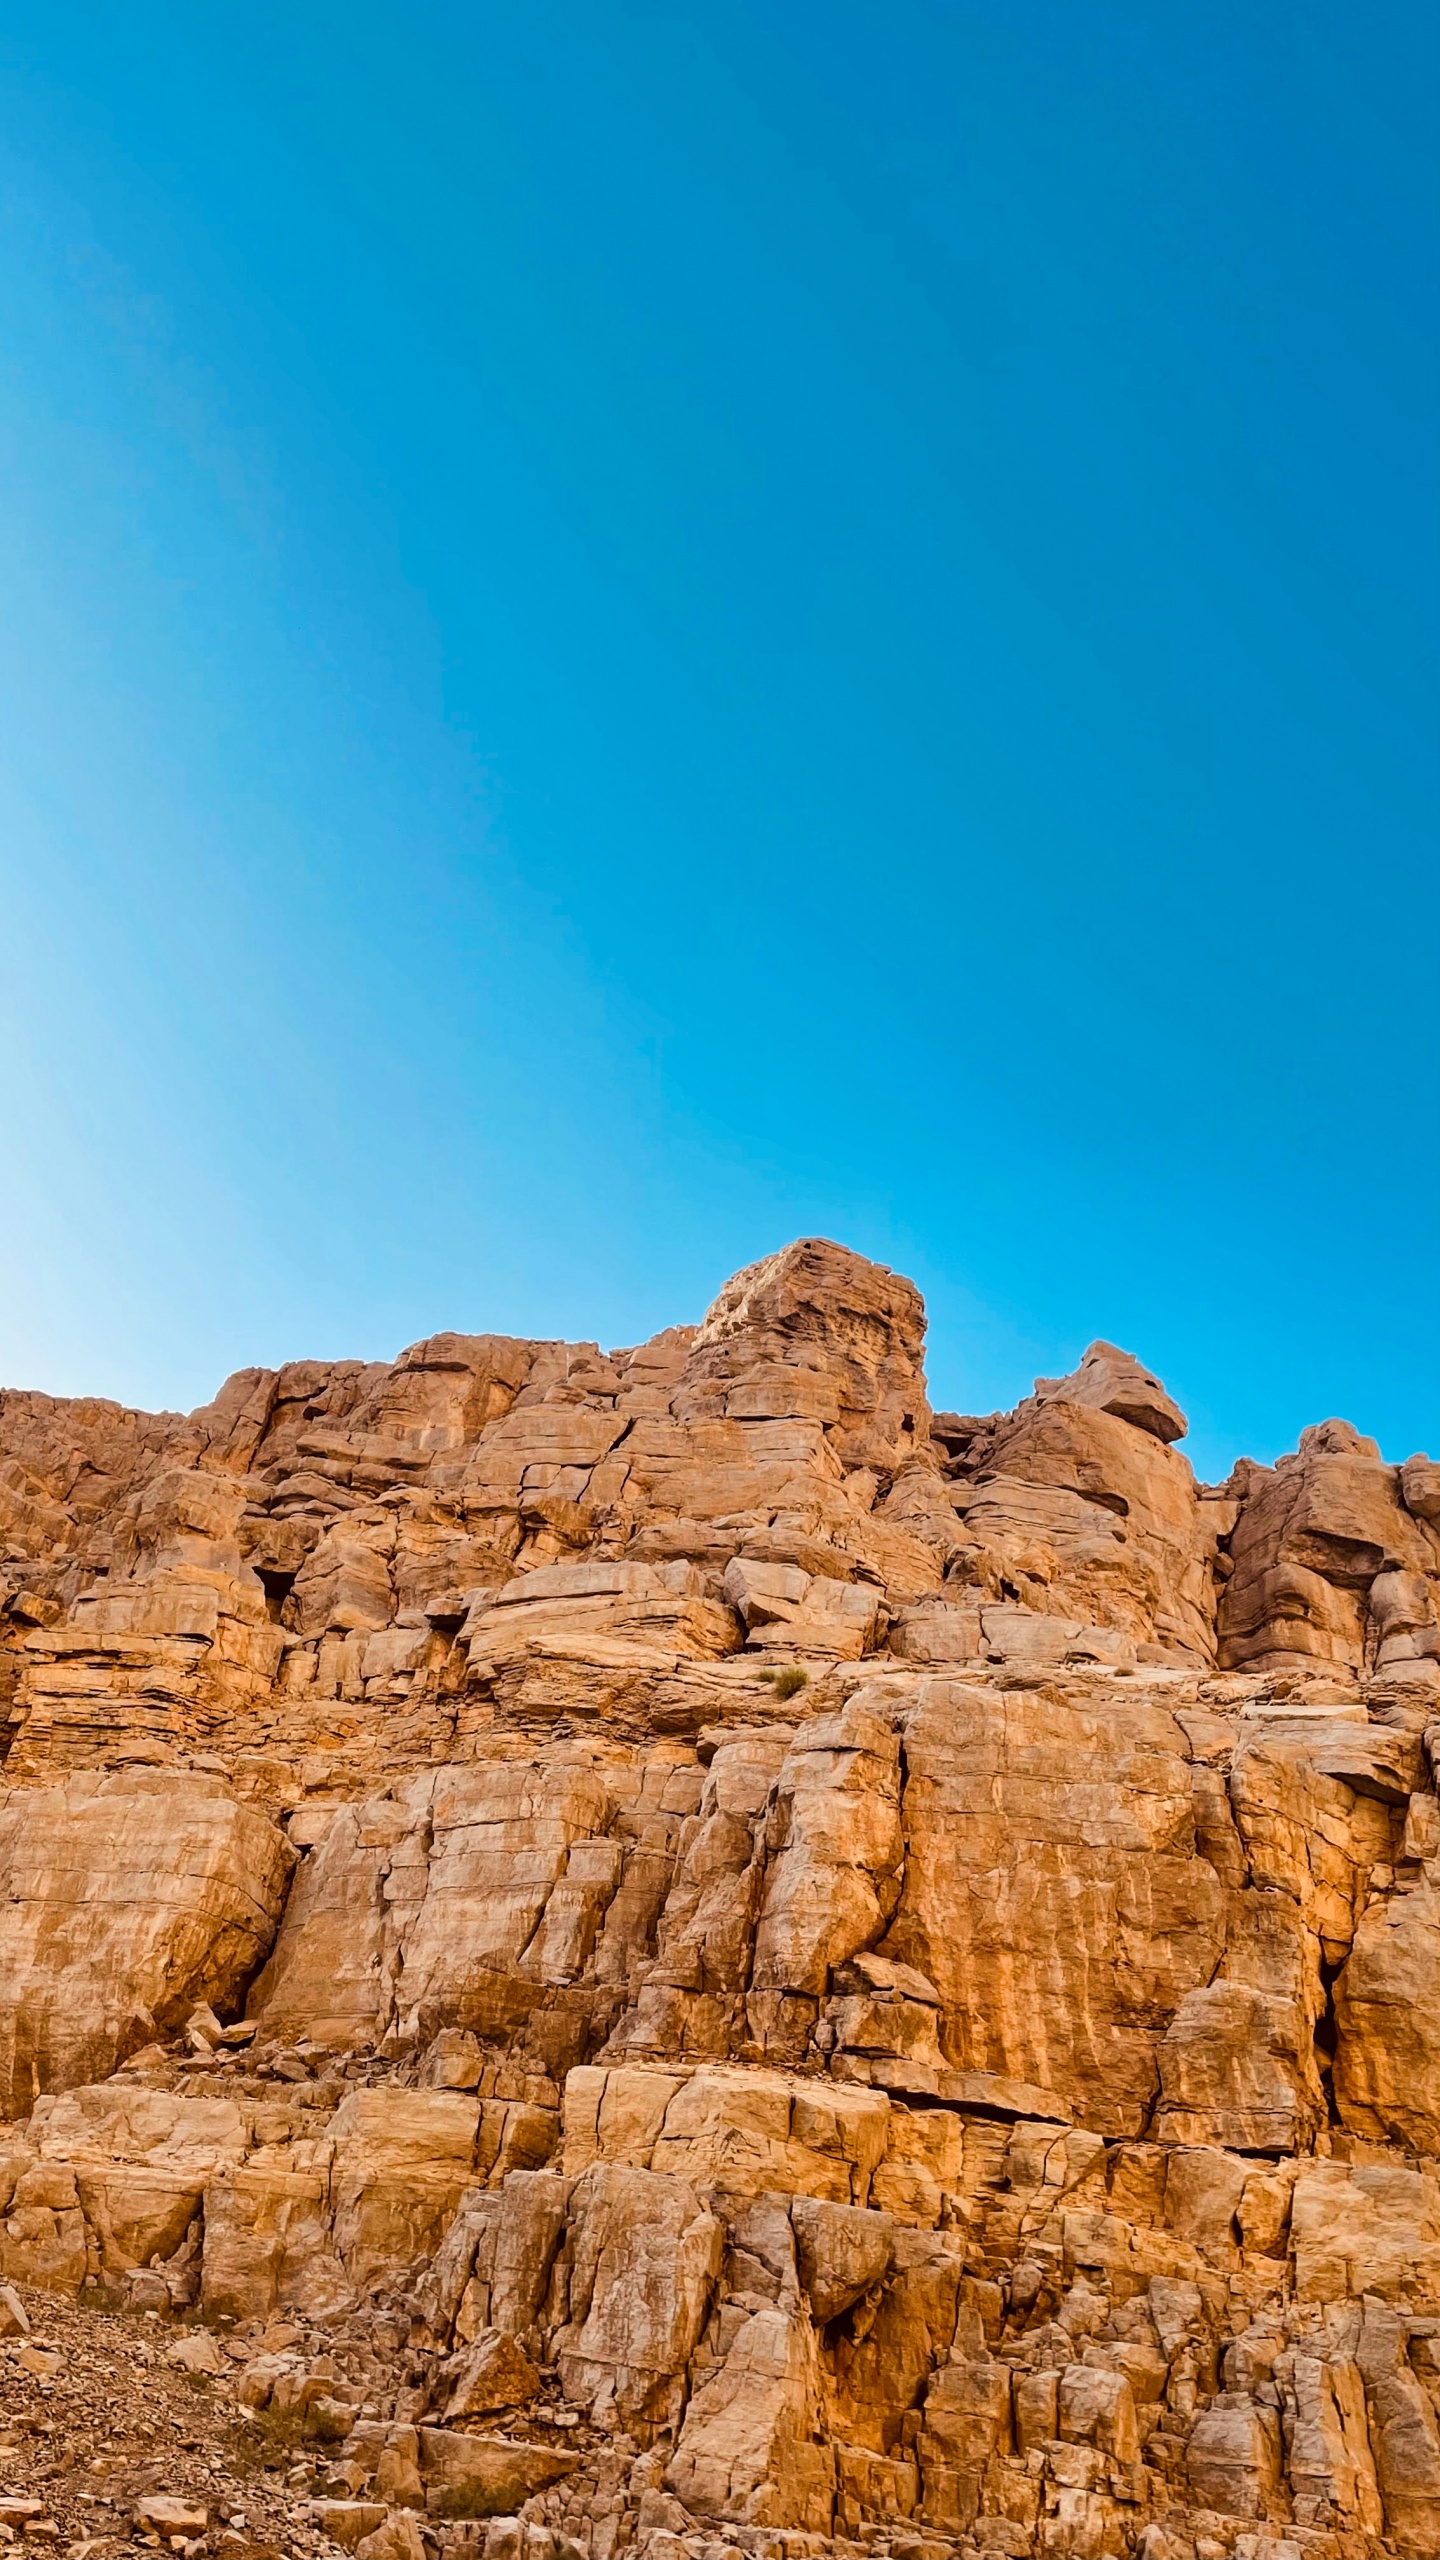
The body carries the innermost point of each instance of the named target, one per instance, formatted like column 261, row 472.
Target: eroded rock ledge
column 786, row 1970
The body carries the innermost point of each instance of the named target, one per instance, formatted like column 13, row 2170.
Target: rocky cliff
column 670, row 1945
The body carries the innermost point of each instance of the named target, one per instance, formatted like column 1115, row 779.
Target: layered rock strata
column 817, row 1973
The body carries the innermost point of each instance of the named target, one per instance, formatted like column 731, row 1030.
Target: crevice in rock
column 1327, row 2039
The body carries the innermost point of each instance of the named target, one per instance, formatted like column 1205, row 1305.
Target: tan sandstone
column 676, row 1948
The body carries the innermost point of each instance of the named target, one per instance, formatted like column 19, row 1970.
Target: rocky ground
column 121, row 2429
column 97, row 2417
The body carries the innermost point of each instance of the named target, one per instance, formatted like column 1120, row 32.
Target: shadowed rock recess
column 668, row 1950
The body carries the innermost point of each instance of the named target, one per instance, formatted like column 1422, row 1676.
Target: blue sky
column 631, row 630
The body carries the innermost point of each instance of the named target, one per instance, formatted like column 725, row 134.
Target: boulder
column 473, row 2475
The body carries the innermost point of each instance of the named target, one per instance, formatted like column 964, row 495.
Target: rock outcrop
column 816, row 1974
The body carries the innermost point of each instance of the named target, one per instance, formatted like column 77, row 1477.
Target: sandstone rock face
column 891, row 1960
column 1331, row 1565
column 1080, row 1507
column 127, row 1899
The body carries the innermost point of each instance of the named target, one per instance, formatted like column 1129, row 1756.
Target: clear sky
column 629, row 631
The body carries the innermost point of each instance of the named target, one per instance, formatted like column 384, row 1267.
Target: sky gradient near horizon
column 633, row 630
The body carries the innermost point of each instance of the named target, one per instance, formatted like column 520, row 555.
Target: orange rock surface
column 893, row 1959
